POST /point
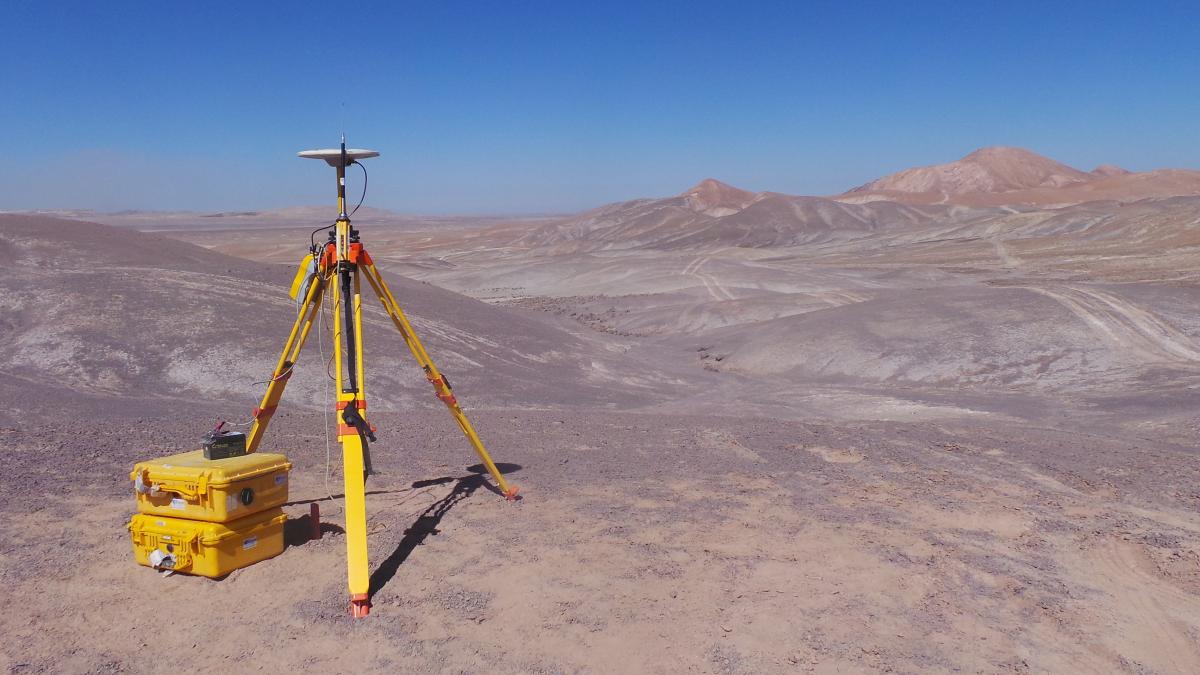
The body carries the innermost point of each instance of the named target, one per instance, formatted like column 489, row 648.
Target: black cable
column 312, row 238
column 364, row 192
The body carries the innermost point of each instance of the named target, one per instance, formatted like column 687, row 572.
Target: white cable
column 328, row 399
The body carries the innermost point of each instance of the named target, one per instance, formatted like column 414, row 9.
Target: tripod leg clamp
column 365, row 434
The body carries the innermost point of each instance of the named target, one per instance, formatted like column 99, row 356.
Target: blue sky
column 558, row 106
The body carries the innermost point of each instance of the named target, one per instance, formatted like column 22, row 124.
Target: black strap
column 352, row 419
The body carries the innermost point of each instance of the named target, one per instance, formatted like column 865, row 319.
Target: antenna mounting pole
column 341, row 177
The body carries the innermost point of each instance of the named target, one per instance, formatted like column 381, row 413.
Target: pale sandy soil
column 645, row 544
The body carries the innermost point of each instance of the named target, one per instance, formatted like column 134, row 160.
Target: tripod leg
column 356, row 525
column 348, row 334
column 440, row 386
column 287, row 359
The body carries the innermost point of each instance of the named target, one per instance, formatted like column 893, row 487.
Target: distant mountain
column 988, row 182
column 1004, row 176
column 716, row 214
column 995, row 169
column 298, row 217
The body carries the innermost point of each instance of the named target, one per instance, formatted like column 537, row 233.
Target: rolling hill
column 97, row 313
column 716, row 214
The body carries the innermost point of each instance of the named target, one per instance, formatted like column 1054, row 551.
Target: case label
column 179, row 503
column 250, row 543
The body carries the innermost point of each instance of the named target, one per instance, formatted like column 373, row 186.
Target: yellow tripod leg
column 356, row 525
column 353, row 468
column 440, row 386
column 287, row 360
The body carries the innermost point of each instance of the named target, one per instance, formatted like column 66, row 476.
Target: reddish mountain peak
column 1108, row 170
column 711, row 194
column 1005, row 153
column 712, row 186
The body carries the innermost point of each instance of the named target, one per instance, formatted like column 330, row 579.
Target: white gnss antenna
column 340, row 158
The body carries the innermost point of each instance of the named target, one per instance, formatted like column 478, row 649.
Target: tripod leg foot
column 511, row 493
column 360, row 605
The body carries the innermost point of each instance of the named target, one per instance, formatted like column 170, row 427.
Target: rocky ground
column 643, row 542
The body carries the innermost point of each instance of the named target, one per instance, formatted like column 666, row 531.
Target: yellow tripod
column 338, row 266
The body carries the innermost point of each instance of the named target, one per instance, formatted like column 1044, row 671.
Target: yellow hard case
column 206, row 549
column 216, row 490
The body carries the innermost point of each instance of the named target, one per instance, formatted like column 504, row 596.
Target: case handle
column 143, row 484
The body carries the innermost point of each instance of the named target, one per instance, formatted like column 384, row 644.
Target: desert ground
column 943, row 422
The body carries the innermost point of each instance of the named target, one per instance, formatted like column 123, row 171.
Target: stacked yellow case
column 209, row 516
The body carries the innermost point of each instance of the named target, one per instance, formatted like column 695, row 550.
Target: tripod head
column 339, row 158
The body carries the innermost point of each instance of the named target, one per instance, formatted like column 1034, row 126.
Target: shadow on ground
column 427, row 523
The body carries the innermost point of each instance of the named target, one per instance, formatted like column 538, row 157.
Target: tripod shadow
column 427, row 523
column 478, row 469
